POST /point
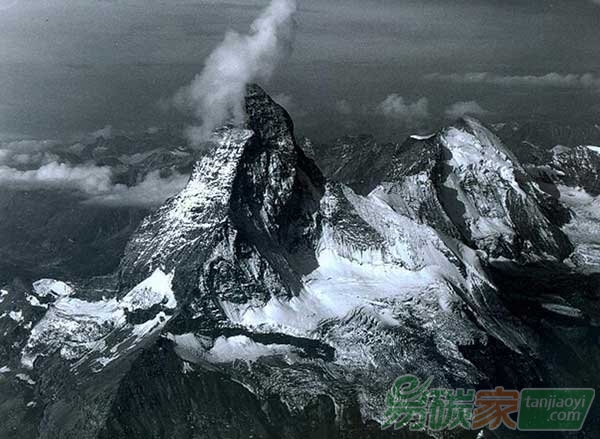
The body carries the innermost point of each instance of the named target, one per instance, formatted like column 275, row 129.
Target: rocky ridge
column 287, row 304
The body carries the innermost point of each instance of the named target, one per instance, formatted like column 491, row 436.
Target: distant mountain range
column 282, row 291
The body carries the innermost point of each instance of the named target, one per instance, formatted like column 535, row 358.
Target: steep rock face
column 572, row 175
column 263, row 301
column 501, row 213
column 412, row 181
column 578, row 166
column 414, row 189
column 166, row 236
column 357, row 161
column 270, row 263
column 255, row 187
column 318, row 281
column 468, row 185
column 532, row 141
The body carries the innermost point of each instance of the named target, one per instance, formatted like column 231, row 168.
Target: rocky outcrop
column 264, row 301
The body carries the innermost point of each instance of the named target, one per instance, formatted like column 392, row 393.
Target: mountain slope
column 264, row 301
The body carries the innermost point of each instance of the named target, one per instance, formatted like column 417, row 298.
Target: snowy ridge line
column 199, row 207
column 77, row 328
column 584, row 228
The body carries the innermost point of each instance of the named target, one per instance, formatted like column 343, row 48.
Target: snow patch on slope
column 481, row 150
column 228, row 349
column 156, row 290
column 193, row 348
column 491, row 198
column 422, row 137
column 564, row 310
column 400, row 265
column 337, row 287
column 51, row 287
column 76, row 327
column 198, row 207
column 592, row 148
column 484, row 214
column 17, row 316
column 584, row 228
column 34, row 301
column 25, row 378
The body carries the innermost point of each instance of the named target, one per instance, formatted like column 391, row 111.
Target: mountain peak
column 266, row 117
column 316, row 289
column 254, row 185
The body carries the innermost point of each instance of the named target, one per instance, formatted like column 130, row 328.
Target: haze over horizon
column 371, row 66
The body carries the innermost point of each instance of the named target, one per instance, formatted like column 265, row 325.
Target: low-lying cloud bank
column 570, row 80
column 26, row 152
column 415, row 113
column 88, row 179
column 94, row 183
column 42, row 165
column 150, row 192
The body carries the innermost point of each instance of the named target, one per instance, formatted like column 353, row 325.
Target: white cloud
column 152, row 191
column 460, row 109
column 28, row 145
column 26, row 152
column 570, row 80
column 343, row 107
column 35, row 164
column 396, row 107
column 89, row 179
column 217, row 94
column 95, row 183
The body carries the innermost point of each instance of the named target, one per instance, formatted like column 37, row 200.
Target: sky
column 381, row 66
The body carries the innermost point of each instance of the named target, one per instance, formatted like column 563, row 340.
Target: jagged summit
column 264, row 116
column 266, row 295
column 254, row 186
column 465, row 182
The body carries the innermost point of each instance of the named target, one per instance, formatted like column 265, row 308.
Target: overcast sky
column 73, row 66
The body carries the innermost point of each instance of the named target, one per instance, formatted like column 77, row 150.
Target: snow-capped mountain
column 533, row 140
column 267, row 301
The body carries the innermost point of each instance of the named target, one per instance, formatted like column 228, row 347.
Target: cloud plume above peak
column 217, row 94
